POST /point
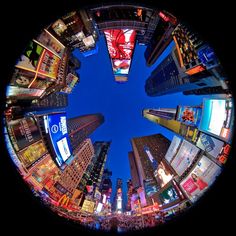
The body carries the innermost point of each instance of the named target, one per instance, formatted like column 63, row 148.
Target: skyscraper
column 126, row 16
column 172, row 120
column 52, row 101
column 73, row 172
column 161, row 37
column 171, row 77
column 149, row 152
column 101, row 149
column 106, row 183
column 117, row 203
column 129, row 194
column 79, row 128
column 133, row 170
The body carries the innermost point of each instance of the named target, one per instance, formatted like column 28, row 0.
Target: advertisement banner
column 210, row 145
column 172, row 150
column 217, row 118
column 121, row 67
column 24, row 132
column 27, row 79
column 163, row 174
column 20, row 93
column 51, row 43
column 59, row 27
column 120, row 43
column 71, row 81
column 200, row 178
column 189, row 115
column 150, row 187
column 121, row 78
column 88, row 206
column 32, row 153
column 49, row 64
column 55, row 125
column 30, row 58
column 223, row 156
column 184, row 158
column 168, row 195
column 189, row 132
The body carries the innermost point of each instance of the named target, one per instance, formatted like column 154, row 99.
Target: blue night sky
column 121, row 104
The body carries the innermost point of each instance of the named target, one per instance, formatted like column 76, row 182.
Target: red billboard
column 200, row 178
column 120, row 43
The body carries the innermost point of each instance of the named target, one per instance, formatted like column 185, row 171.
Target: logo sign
column 57, row 129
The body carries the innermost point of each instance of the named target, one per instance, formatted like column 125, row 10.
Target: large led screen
column 184, row 158
column 55, row 125
column 200, row 178
column 189, row 115
column 172, row 150
column 217, row 118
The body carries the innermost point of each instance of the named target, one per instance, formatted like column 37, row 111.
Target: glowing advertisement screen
column 120, row 43
column 184, row 158
column 168, row 195
column 200, row 178
column 209, row 144
column 56, row 126
column 120, row 67
column 217, row 118
column 163, row 174
column 175, row 143
column 189, row 115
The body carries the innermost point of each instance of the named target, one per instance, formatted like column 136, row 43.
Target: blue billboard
column 217, row 118
column 56, row 127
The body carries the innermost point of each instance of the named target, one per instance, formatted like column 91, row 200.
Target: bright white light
column 218, row 116
column 64, row 148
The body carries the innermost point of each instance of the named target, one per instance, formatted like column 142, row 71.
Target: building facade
column 79, row 128
column 73, row 172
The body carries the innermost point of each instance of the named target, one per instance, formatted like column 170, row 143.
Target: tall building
column 76, row 166
column 118, row 201
column 129, row 194
column 76, row 30
column 106, row 184
column 101, row 149
column 126, row 16
column 52, row 101
column 134, row 171
column 161, row 37
column 174, row 122
column 79, row 128
column 169, row 77
column 149, row 152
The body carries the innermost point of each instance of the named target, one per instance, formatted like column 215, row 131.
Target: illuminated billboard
column 49, row 41
column 27, row 79
column 88, row 206
column 37, row 59
column 71, row 81
column 172, row 150
column 55, row 125
column 30, row 58
column 23, row 132
column 189, row 115
column 217, row 118
column 13, row 91
column 120, row 43
column 189, row 132
column 32, row 153
column 184, row 158
column 163, row 174
column 168, row 195
column 151, row 187
column 209, row 144
column 200, row 178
